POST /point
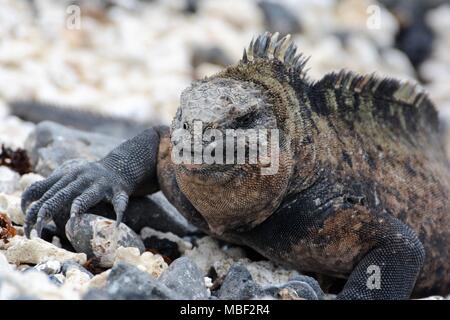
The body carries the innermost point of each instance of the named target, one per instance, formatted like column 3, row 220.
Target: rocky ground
column 132, row 59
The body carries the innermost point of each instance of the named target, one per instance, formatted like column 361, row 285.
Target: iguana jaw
column 238, row 199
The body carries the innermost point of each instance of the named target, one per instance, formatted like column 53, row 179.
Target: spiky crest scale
column 269, row 46
column 408, row 97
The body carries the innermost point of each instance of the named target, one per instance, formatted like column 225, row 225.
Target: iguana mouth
column 210, row 173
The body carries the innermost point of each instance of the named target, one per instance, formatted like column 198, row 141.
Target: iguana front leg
column 379, row 255
column 384, row 255
column 390, row 268
column 128, row 169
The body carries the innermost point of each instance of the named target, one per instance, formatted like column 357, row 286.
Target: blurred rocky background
column 131, row 59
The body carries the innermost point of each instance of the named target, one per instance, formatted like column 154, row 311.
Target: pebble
column 239, row 285
column 208, row 254
column 20, row 250
column 294, row 290
column 185, row 277
column 57, row 279
column 126, row 282
column 49, row 267
column 76, row 280
column 67, row 267
column 13, row 131
column 10, row 204
column 151, row 263
column 28, row 179
column 50, row 145
column 33, row 284
column 99, row 280
column 9, row 180
column 279, row 18
column 99, row 238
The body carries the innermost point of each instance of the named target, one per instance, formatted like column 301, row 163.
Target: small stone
column 99, row 280
column 76, row 280
column 266, row 272
column 239, row 285
column 51, row 144
column 294, row 290
column 67, row 266
column 32, row 283
column 96, row 294
column 56, row 241
column 5, row 267
column 151, row 263
column 208, row 282
column 7, row 230
column 8, row 180
column 10, row 204
column 99, row 238
column 49, row 267
column 28, row 179
column 315, row 286
column 126, row 282
column 184, row 277
column 57, row 279
column 279, row 18
column 14, row 132
column 206, row 253
column 20, row 250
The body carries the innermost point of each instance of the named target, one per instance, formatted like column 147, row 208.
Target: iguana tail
column 35, row 111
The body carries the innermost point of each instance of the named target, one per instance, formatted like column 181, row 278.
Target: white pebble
column 9, row 180
column 21, row 250
column 10, row 205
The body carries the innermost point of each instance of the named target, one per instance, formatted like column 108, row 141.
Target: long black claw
column 120, row 202
column 31, row 217
column 86, row 200
column 32, row 213
column 39, row 226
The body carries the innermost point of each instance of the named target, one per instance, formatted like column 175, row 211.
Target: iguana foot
column 81, row 185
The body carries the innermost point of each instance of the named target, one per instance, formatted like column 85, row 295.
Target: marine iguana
column 362, row 188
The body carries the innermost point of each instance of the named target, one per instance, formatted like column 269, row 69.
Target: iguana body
column 363, row 181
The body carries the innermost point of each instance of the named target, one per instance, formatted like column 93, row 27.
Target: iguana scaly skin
column 362, row 188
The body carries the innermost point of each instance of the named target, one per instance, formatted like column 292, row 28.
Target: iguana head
column 210, row 113
column 255, row 94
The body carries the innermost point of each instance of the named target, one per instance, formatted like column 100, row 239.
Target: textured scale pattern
column 363, row 182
